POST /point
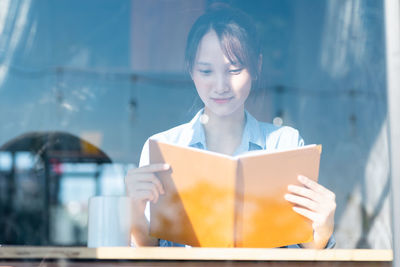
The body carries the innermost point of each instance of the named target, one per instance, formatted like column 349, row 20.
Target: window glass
column 84, row 84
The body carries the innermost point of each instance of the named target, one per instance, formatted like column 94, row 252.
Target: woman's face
column 223, row 87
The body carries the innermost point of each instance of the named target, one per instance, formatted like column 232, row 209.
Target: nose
column 222, row 84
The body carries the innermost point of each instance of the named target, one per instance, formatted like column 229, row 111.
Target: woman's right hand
column 142, row 184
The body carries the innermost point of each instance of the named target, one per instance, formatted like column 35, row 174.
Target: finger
column 148, row 187
column 152, row 168
column 303, row 191
column 152, row 178
column 302, row 201
column 306, row 213
column 313, row 185
column 144, row 195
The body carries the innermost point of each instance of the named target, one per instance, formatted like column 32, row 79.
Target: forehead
column 209, row 49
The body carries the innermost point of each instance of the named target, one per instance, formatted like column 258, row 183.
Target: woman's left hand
column 316, row 203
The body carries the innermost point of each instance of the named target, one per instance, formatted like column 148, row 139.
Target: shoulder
column 280, row 137
column 174, row 135
column 270, row 136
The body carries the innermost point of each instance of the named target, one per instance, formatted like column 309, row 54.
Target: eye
column 205, row 72
column 235, row 71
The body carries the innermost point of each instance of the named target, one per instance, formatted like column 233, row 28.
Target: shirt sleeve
column 145, row 155
column 165, row 243
column 300, row 141
column 331, row 242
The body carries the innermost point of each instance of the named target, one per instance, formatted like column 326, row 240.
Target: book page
column 253, row 153
column 265, row 218
column 198, row 207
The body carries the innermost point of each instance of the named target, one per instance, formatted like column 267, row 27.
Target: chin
column 224, row 111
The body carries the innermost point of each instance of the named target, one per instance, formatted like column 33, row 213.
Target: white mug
column 109, row 222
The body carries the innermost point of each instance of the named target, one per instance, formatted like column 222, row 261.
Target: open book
column 214, row 200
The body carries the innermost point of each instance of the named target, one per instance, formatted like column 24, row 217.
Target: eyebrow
column 203, row 63
column 209, row 64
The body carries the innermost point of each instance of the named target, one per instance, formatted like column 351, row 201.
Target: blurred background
column 83, row 84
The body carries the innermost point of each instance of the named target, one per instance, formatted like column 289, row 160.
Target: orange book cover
column 215, row 200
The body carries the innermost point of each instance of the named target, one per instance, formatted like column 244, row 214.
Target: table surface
column 170, row 253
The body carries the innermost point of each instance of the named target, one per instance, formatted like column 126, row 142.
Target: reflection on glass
column 115, row 76
column 5, row 161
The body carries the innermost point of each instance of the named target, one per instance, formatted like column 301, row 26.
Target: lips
column 221, row 100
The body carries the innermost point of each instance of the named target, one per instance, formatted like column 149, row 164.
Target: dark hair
column 237, row 34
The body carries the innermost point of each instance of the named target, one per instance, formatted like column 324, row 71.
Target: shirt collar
column 198, row 135
column 252, row 131
column 252, row 138
column 193, row 134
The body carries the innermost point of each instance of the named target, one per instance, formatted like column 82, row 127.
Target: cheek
column 241, row 84
column 202, row 84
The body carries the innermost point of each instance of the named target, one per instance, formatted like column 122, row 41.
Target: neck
column 224, row 133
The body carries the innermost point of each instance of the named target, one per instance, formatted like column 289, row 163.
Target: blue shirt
column 256, row 136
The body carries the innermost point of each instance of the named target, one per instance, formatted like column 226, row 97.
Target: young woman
column 224, row 61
